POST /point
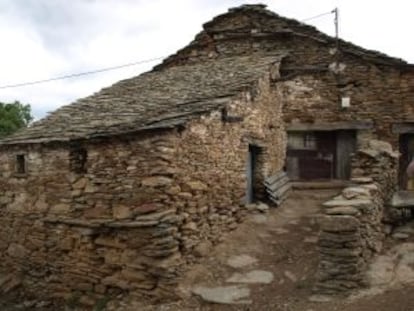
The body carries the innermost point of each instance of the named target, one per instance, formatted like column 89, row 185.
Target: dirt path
column 282, row 242
column 269, row 263
column 277, row 251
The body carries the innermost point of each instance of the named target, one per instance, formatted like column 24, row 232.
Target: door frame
column 251, row 171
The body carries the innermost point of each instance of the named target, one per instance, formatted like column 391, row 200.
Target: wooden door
column 311, row 155
column 345, row 147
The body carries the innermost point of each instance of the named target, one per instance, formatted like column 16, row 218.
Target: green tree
column 13, row 116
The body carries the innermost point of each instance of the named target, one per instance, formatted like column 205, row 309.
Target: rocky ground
column 269, row 263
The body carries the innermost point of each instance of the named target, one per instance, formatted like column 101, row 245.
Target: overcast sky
column 43, row 39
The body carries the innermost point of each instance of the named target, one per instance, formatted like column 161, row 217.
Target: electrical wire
column 80, row 74
column 317, row 16
column 75, row 75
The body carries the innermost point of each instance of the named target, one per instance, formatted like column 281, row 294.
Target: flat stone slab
column 396, row 267
column 280, row 230
column 241, row 261
column 352, row 202
column 338, row 223
column 342, row 210
column 255, row 276
column 320, row 298
column 400, row 235
column 407, row 228
column 362, row 180
column 354, row 192
column 403, row 199
column 259, row 219
column 381, row 271
column 234, row 294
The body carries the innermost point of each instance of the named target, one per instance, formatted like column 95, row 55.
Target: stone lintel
column 332, row 126
column 402, row 128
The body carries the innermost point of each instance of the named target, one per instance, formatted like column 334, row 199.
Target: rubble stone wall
column 316, row 74
column 211, row 163
column 378, row 160
column 374, row 91
column 125, row 213
column 98, row 232
column 352, row 223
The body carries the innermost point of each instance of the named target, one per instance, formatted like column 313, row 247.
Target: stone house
column 335, row 94
column 115, row 191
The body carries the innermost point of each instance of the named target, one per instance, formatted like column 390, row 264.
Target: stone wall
column 375, row 96
column 126, row 213
column 97, row 232
column 211, row 163
column 352, row 223
column 314, row 73
column 377, row 160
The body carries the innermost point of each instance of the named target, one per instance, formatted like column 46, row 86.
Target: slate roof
column 151, row 100
column 299, row 28
column 271, row 24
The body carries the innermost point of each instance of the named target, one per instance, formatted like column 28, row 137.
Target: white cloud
column 43, row 38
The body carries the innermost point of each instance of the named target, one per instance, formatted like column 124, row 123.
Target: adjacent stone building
column 114, row 191
column 335, row 94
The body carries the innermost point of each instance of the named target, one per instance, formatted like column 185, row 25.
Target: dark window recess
column 20, row 164
column 78, row 158
column 310, row 141
column 225, row 117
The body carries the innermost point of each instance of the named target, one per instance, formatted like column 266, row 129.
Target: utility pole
column 336, row 11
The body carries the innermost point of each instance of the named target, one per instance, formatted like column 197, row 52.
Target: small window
column 78, row 158
column 20, row 164
column 302, row 141
column 309, row 141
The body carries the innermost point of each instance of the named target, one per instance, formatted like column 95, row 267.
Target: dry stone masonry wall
column 100, row 232
column 211, row 162
column 105, row 215
column 352, row 224
column 126, row 213
column 315, row 74
column 379, row 161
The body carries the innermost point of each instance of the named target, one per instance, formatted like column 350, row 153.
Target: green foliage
column 13, row 116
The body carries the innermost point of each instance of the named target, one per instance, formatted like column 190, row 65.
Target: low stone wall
column 377, row 160
column 350, row 233
column 352, row 222
column 60, row 257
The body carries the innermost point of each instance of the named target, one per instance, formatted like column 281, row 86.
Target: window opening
column 78, row 158
column 20, row 164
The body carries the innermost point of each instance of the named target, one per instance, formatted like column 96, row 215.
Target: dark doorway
column 407, row 153
column 315, row 155
column 251, row 172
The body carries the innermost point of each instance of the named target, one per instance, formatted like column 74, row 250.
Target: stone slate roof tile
column 156, row 99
